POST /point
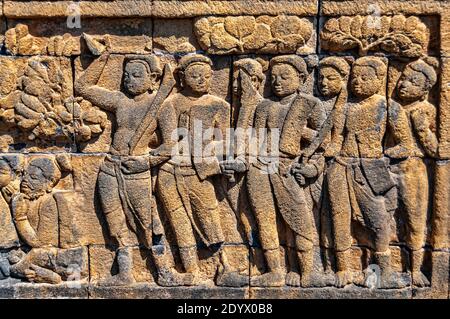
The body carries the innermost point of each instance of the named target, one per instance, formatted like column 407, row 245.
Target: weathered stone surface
column 224, row 149
column 248, row 34
column 55, row 37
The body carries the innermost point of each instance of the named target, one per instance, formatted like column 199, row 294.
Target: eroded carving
column 245, row 34
column 400, row 35
column 312, row 171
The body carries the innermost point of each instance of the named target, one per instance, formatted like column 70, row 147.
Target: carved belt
column 117, row 171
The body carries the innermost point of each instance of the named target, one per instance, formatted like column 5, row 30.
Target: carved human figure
column 40, row 217
column 248, row 82
column 124, row 180
column 412, row 122
column 358, row 177
column 332, row 83
column 9, row 185
column 185, row 183
column 297, row 117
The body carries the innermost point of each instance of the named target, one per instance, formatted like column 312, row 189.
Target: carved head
column 195, row 72
column 367, row 76
column 6, row 173
column 333, row 75
column 42, row 174
column 288, row 73
column 253, row 69
column 141, row 74
column 416, row 81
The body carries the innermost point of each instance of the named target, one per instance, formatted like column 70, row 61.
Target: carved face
column 197, row 78
column 5, row 174
column 412, row 85
column 285, row 80
column 136, row 79
column 34, row 181
column 364, row 81
column 330, row 81
column 256, row 82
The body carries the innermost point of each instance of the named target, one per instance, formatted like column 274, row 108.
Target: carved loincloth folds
column 126, row 196
column 290, row 199
column 191, row 204
column 358, row 187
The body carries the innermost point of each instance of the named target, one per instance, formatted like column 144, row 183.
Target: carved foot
column 317, row 280
column 293, row 279
column 269, row 279
column 394, row 280
column 172, row 278
column 42, row 276
column 121, row 279
column 343, row 278
column 232, row 279
column 420, row 280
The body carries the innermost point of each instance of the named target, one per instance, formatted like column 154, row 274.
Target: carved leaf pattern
column 265, row 34
column 42, row 112
column 399, row 35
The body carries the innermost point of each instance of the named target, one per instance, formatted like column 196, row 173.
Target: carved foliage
column 398, row 35
column 38, row 101
column 264, row 34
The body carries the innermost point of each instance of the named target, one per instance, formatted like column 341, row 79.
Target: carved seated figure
column 39, row 218
column 358, row 178
column 9, row 185
column 413, row 125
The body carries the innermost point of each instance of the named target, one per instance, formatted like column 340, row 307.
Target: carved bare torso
column 129, row 114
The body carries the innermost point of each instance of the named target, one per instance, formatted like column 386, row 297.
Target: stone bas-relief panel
column 230, row 155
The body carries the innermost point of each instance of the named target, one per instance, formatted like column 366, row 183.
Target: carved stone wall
column 224, row 149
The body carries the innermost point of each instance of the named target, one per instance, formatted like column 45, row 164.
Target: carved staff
column 167, row 84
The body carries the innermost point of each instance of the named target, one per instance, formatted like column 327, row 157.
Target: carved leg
column 124, row 277
column 262, row 202
column 227, row 276
column 167, row 275
column 39, row 274
column 343, row 274
column 418, row 278
column 275, row 276
column 414, row 191
column 338, row 192
column 293, row 271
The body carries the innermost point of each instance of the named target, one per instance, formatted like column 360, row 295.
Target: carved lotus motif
column 398, row 35
column 244, row 34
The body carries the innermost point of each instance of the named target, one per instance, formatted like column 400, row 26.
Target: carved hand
column 420, row 120
column 230, row 167
column 306, row 170
column 20, row 206
column 136, row 164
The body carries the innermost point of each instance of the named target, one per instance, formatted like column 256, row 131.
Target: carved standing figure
column 359, row 177
column 271, row 185
column 185, row 185
column 124, row 180
column 413, row 125
column 333, row 78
